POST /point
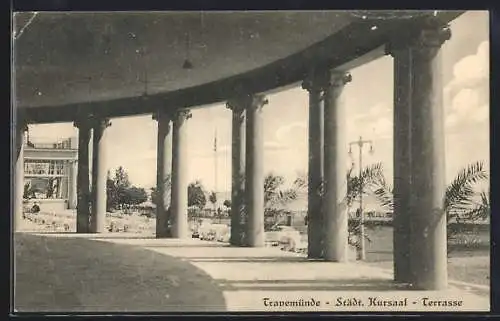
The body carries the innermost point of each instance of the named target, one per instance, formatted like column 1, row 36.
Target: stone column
column 237, row 172
column 83, row 182
column 20, row 130
column 428, row 218
column 72, row 183
column 315, row 84
column 60, row 184
column 64, row 188
column 402, row 160
column 163, row 170
column 254, row 182
column 99, row 176
column 179, row 202
column 335, row 188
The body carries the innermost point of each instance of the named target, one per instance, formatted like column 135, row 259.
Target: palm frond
column 481, row 209
column 370, row 180
column 459, row 196
column 385, row 196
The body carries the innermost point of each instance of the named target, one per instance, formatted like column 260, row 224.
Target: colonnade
column 91, row 185
column 419, row 218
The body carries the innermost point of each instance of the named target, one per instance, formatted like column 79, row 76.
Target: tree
column 111, row 193
column 154, row 196
column 276, row 198
column 227, row 204
column 212, row 197
column 461, row 202
column 136, row 195
column 121, row 183
column 482, row 209
column 168, row 187
column 29, row 191
column 26, row 191
column 371, row 175
column 120, row 192
column 196, row 195
column 121, row 178
column 50, row 188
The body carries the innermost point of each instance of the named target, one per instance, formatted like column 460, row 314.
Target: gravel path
column 76, row 275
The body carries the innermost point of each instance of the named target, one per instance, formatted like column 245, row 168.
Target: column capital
column 247, row 101
column 258, row 101
column 237, row 104
column 339, row 78
column 163, row 114
column 81, row 123
column 431, row 35
column 240, row 101
column 242, row 96
column 316, row 80
column 101, row 123
column 22, row 124
column 21, row 121
column 184, row 114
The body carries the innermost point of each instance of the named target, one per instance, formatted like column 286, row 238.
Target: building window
column 44, row 167
column 43, row 188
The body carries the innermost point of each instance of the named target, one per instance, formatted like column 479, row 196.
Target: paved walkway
column 119, row 272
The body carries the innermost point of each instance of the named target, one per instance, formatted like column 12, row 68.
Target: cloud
column 288, row 137
column 464, row 102
column 291, row 131
column 382, row 128
column 482, row 114
column 269, row 145
column 471, row 71
column 466, row 96
column 272, row 145
column 209, row 153
column 379, row 109
column 451, row 120
column 468, row 107
column 376, row 123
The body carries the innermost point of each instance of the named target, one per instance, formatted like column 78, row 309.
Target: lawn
column 466, row 265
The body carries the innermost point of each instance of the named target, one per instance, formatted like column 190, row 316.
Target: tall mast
column 215, row 161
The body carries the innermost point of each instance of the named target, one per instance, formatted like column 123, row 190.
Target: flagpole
column 215, row 164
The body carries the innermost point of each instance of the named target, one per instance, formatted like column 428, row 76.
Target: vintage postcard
column 262, row 161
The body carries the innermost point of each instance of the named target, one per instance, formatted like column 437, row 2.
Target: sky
column 369, row 101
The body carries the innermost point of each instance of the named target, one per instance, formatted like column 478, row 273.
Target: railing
column 65, row 144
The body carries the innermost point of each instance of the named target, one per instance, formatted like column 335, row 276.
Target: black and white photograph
column 250, row 161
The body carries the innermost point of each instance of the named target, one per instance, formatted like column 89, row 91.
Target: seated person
column 35, row 208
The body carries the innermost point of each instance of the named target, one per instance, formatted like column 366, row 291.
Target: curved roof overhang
column 353, row 45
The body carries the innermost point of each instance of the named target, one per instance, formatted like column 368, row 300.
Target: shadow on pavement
column 46, row 232
column 312, row 285
column 180, row 245
column 120, row 236
column 250, row 259
column 82, row 275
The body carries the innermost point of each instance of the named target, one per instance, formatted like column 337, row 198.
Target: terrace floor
column 68, row 272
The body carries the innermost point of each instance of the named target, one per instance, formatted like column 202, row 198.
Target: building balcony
column 69, row 143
